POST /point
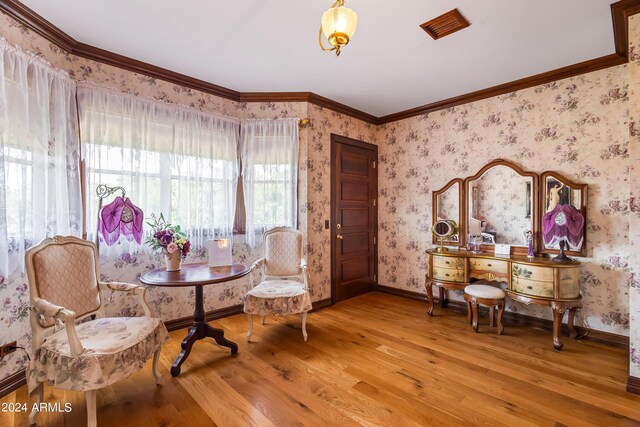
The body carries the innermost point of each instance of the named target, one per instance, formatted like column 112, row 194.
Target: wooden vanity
column 507, row 205
column 534, row 280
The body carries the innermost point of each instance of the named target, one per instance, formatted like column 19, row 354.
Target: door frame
column 339, row 139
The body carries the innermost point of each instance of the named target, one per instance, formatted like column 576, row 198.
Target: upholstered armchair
column 279, row 280
column 89, row 351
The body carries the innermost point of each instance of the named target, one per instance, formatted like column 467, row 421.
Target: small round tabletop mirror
column 443, row 229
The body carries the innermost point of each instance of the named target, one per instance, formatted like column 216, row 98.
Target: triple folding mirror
column 504, row 204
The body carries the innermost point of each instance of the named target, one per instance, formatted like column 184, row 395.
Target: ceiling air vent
column 445, row 24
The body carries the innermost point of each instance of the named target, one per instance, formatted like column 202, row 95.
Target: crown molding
column 620, row 11
column 527, row 82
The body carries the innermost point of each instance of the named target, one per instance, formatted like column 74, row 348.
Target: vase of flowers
column 170, row 240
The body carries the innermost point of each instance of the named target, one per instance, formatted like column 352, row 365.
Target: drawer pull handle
column 447, row 262
column 447, row 274
column 529, row 287
column 488, row 265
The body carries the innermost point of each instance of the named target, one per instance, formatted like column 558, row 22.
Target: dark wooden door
column 354, row 222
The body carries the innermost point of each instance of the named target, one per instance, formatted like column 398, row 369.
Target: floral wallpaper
column 576, row 126
column 634, row 206
column 502, row 202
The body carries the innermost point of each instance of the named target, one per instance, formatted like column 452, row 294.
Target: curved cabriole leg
column 304, row 325
column 500, row 313
column 430, row 296
column 443, row 297
column 90, row 397
column 38, row 393
column 474, row 320
column 250, row 319
column 156, row 373
column 573, row 334
column 558, row 313
column 469, row 318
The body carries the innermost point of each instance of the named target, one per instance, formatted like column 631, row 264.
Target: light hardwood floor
column 372, row 360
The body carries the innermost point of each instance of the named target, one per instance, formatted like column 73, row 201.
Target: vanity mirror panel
column 561, row 196
column 447, row 204
column 501, row 205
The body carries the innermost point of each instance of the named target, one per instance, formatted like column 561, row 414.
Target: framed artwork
column 563, row 192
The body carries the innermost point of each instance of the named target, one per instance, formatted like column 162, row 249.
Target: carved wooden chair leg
column 474, row 310
column 90, row 397
column 492, row 315
column 38, row 392
column 500, row 313
column 304, row 325
column 156, row 373
column 250, row 319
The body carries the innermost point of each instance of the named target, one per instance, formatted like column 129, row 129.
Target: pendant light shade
column 338, row 25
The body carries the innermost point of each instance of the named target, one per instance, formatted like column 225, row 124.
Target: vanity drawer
column 531, row 272
column 532, row 280
column 448, row 262
column 569, row 283
column 448, row 274
column 533, row 288
column 489, row 269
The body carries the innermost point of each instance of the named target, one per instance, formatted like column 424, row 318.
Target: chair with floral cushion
column 65, row 289
column 279, row 280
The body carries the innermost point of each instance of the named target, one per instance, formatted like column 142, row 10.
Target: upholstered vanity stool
column 482, row 293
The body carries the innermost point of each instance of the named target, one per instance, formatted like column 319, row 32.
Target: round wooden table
column 198, row 276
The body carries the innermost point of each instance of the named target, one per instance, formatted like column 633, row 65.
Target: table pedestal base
column 199, row 331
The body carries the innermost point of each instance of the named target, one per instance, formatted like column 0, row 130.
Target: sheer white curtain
column 269, row 155
column 39, row 155
column 171, row 160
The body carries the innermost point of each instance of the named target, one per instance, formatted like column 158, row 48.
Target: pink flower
column 172, row 247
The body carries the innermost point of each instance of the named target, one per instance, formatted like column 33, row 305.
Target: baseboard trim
column 13, row 382
column 633, row 384
column 185, row 322
column 608, row 338
column 323, row 303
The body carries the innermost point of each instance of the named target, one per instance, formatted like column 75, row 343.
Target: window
column 170, row 160
column 39, row 177
column 272, row 195
column 18, row 165
column 269, row 153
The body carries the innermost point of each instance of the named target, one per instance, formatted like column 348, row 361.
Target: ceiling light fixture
column 338, row 25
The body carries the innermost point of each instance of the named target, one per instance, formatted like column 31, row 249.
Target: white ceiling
column 390, row 65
